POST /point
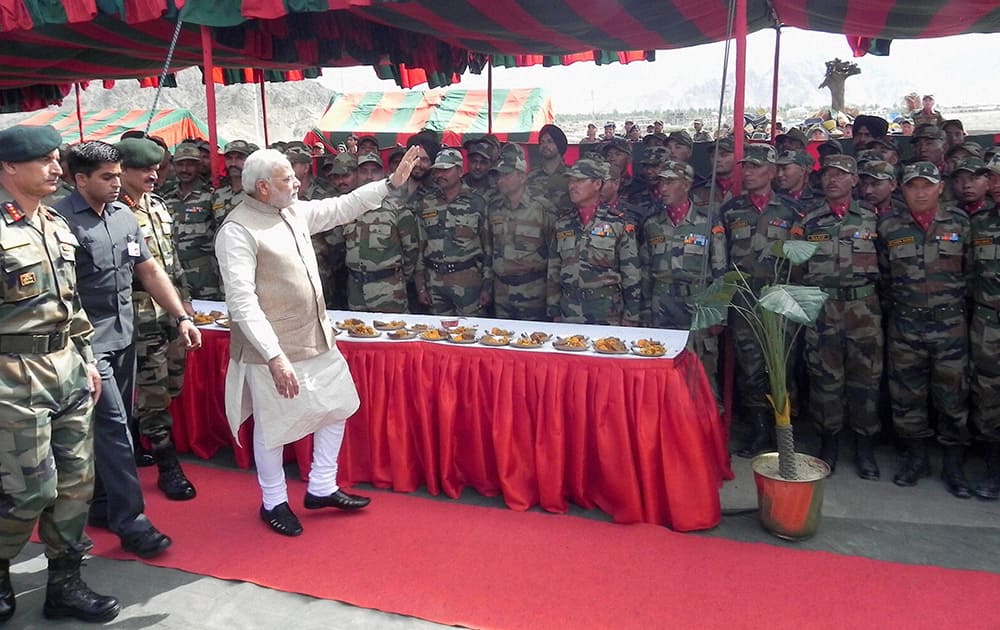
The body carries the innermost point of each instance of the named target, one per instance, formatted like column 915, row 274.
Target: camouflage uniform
column 985, row 332
column 844, row 349
column 675, row 260
column 318, row 188
column 553, row 187
column 195, row 222
column 925, row 279
column 456, row 258
column 593, row 272
column 46, row 455
column 521, row 237
column 382, row 247
column 160, row 358
column 224, row 199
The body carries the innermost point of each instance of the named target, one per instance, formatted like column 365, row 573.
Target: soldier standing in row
column 50, row 382
column 682, row 251
column 792, row 178
column 161, row 359
column 844, row 349
column 227, row 197
column 753, row 222
column 549, row 179
column 331, row 251
column 878, row 186
column 970, row 185
column 521, row 229
column 700, row 135
column 926, row 262
column 454, row 273
column 593, row 273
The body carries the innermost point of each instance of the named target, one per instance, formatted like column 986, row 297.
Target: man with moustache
column 229, row 195
column 480, row 158
column 370, row 168
column 549, row 178
column 112, row 254
column 868, row 128
column 331, row 250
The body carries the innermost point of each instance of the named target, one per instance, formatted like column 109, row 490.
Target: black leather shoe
column 67, row 596
column 172, row 480
column 281, row 519
column 829, row 450
column 146, row 544
column 338, row 499
column 953, row 474
column 7, row 601
column 915, row 463
column 864, row 458
column 988, row 487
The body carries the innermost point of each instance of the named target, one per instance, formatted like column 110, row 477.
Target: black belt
column 364, row 277
column 452, row 267
column 521, row 278
column 846, row 294
column 34, row 344
column 937, row 314
column 677, row 289
column 989, row 314
column 589, row 294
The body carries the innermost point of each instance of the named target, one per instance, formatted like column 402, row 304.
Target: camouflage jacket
column 521, row 237
column 39, row 295
column 318, row 188
column 158, row 231
column 554, row 187
column 454, row 232
column 750, row 233
column 194, row 221
column 381, row 239
column 931, row 269
column 224, row 200
column 845, row 254
column 986, row 254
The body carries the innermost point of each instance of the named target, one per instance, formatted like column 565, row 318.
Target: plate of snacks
column 610, row 345
column 401, row 334
column 499, row 332
column 362, row 331
column 573, row 343
column 348, row 324
column 649, row 348
column 540, row 337
column 206, row 319
column 526, row 342
column 419, row 328
column 466, row 336
column 434, row 334
column 395, row 324
column 494, row 339
column 462, row 330
column 222, row 321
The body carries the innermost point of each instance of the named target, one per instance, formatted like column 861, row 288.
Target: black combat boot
column 953, row 474
column 915, row 463
column 864, row 458
column 989, row 486
column 172, row 480
column 829, row 450
column 760, row 434
column 7, row 602
column 67, row 596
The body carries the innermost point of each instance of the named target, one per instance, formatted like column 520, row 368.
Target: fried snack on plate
column 610, row 345
column 434, row 334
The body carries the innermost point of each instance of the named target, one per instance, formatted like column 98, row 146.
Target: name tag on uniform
column 27, row 279
column 429, row 215
column 906, row 240
column 735, row 225
column 656, row 240
column 133, row 249
column 497, row 221
column 564, row 234
column 818, row 237
column 980, row 242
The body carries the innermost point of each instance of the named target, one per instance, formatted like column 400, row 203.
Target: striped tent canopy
column 392, row 117
column 173, row 125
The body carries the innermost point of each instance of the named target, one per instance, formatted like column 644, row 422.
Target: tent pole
column 740, row 32
column 259, row 75
column 79, row 112
column 489, row 94
column 209, row 66
column 774, row 82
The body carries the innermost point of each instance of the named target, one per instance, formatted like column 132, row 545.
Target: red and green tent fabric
column 173, row 125
column 392, row 117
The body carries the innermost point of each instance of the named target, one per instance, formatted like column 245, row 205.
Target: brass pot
column 790, row 509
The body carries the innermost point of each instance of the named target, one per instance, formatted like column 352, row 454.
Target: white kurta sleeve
column 237, row 254
column 325, row 214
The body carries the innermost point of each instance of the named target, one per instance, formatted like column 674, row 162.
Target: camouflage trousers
column 202, row 275
column 752, row 385
column 455, row 293
column 591, row 306
column 929, row 354
column 675, row 313
column 160, row 359
column 844, row 357
column 46, row 451
column 984, row 338
column 386, row 295
column 524, row 301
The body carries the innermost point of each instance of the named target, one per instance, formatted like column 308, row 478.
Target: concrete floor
column 920, row 525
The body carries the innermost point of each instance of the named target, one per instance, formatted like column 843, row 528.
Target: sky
column 957, row 70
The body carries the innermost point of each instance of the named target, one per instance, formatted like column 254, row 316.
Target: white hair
column 261, row 164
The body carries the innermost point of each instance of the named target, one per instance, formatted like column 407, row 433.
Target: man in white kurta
column 284, row 366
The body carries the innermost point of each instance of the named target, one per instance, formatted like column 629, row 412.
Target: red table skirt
column 639, row 439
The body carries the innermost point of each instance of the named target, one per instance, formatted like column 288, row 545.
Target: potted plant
column 789, row 484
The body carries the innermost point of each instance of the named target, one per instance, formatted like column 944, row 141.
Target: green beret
column 23, row 143
column 139, row 152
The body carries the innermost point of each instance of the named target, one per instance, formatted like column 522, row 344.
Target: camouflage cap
column 673, row 169
column 370, row 158
column 994, row 164
column 448, row 158
column 187, row 151
column 344, row 163
column 23, row 143
column 621, row 144
column 479, row 148
column 296, row 156
column 681, row 137
column 973, row 165
column 658, row 135
column 990, row 152
column 239, row 146
column 830, row 147
column 139, row 152
column 877, row 169
column 802, row 158
column 655, row 156
column 511, row 159
column 589, row 169
column 927, row 130
column 367, row 138
column 972, row 148
column 867, row 155
column 727, row 145
column 759, row 154
column 796, row 134
column 886, row 142
column 841, row 162
column 927, row 170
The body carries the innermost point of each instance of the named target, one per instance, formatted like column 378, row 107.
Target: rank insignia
column 629, row 228
column 718, row 229
column 13, row 211
column 797, row 231
column 27, row 279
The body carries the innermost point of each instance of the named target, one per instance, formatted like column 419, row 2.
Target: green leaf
column 798, row 304
column 797, row 252
column 706, row 316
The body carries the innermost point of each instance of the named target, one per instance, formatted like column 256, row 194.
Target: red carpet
column 495, row 568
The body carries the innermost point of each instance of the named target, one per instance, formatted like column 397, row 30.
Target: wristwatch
column 185, row 318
